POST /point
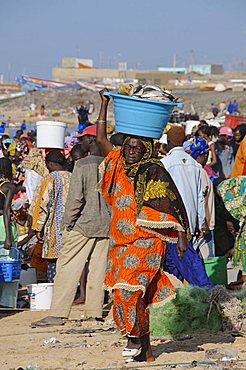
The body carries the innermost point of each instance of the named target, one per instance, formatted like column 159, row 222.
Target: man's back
column 225, row 160
column 86, row 210
column 185, row 172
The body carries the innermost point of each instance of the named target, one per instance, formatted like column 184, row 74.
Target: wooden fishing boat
column 8, row 97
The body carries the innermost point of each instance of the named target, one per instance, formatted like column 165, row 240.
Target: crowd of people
column 129, row 215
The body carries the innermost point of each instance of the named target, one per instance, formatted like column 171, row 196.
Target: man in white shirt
column 185, row 172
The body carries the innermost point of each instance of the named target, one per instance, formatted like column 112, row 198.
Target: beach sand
column 23, row 346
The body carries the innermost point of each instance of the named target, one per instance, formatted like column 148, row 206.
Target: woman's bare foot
column 146, row 353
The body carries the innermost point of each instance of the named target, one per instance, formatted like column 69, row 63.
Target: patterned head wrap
column 199, row 146
column 132, row 169
column 35, row 161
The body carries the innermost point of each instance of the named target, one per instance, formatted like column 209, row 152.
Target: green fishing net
column 241, row 294
column 188, row 312
column 244, row 304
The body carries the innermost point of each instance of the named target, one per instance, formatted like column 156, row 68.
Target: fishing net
column 193, row 309
column 244, row 304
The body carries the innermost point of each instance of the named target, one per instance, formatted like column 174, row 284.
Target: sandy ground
column 22, row 346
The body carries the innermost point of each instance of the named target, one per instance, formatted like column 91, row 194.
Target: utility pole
column 100, row 59
column 191, row 58
column 174, row 61
column 9, row 71
column 77, row 51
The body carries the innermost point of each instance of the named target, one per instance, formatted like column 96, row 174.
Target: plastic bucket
column 216, row 268
column 40, row 295
column 50, row 134
column 232, row 273
column 142, row 117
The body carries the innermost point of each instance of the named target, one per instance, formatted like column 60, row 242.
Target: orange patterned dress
column 138, row 243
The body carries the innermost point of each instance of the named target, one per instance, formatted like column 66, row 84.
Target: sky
column 36, row 34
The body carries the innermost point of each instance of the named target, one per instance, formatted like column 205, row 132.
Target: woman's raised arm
column 105, row 145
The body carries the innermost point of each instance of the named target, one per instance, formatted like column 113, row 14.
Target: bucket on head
column 141, row 117
column 40, row 295
column 216, row 268
column 50, row 134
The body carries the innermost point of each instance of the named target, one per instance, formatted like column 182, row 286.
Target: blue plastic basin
column 142, row 117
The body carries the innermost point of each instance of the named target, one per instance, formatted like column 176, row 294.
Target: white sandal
column 131, row 352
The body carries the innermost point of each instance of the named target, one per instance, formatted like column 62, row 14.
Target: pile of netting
column 197, row 309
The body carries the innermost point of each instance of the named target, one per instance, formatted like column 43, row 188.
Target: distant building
column 77, row 63
column 207, row 69
column 74, row 69
column 172, row 69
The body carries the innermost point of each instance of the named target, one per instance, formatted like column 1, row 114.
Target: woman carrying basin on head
column 147, row 212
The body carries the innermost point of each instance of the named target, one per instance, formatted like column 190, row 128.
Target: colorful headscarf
column 35, row 161
column 132, row 169
column 198, row 147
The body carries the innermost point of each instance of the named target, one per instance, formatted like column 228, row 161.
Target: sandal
column 131, row 352
column 48, row 321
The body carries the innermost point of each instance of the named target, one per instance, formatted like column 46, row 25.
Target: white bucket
column 40, row 295
column 232, row 273
column 50, row 134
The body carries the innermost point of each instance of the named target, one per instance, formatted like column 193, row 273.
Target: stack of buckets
column 50, row 135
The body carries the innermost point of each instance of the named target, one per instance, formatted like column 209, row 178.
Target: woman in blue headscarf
column 200, row 147
column 199, row 151
column 191, row 267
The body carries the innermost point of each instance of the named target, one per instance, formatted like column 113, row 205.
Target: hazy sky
column 36, row 34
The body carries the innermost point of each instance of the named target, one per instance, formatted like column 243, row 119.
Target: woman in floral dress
column 147, row 212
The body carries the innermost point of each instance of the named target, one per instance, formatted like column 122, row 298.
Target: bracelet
column 101, row 121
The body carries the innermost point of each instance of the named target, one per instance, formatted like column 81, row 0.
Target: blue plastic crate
column 10, row 270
